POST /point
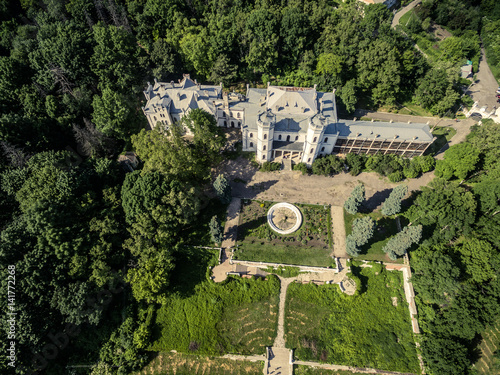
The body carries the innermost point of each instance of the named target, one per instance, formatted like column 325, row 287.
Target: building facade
column 295, row 123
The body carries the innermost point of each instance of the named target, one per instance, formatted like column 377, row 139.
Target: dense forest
column 93, row 246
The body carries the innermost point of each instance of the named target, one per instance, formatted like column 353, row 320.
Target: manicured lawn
column 443, row 134
column 364, row 330
column 189, row 364
column 203, row 317
column 487, row 363
column 309, row 245
column 261, row 251
column 385, row 229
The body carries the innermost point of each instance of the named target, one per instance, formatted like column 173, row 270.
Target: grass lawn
column 405, row 18
column 189, row 364
column 443, row 135
column 202, row 317
column 284, row 254
column 309, row 245
column 369, row 329
column 487, row 363
column 385, row 229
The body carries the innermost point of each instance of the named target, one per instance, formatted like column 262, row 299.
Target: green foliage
column 270, row 166
column 379, row 334
column 175, row 155
column 392, row 205
column 302, row 167
column 355, row 200
column 222, row 189
column 207, row 313
column 449, row 208
column 401, row 242
column 113, row 114
column 362, row 231
column 459, row 161
column 327, row 165
column 355, row 162
column 216, row 230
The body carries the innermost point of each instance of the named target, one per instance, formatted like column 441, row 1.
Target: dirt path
column 349, row 368
column 219, row 272
column 280, row 336
column 338, row 229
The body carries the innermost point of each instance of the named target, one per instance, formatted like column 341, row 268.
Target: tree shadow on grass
column 356, row 271
column 190, row 269
column 376, row 200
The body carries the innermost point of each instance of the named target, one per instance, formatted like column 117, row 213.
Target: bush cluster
column 394, row 167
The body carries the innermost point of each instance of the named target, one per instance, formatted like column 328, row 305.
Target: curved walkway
column 402, row 12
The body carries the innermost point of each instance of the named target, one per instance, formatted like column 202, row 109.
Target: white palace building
column 284, row 122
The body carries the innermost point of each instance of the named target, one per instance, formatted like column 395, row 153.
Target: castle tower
column 265, row 136
column 314, row 137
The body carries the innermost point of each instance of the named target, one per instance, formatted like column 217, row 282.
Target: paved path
column 400, row 13
column 484, row 88
column 219, row 272
column 338, row 229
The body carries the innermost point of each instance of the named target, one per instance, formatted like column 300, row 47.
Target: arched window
column 264, row 148
column 311, row 151
column 309, row 160
column 315, row 139
column 238, row 115
column 326, row 139
column 296, row 137
column 322, row 149
column 279, row 137
column 288, row 138
column 251, row 144
column 239, row 124
column 251, row 135
column 225, row 123
column 232, row 124
column 265, row 136
column 263, row 157
column 155, row 118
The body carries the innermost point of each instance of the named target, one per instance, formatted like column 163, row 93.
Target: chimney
column 390, row 121
column 355, row 119
column 226, row 100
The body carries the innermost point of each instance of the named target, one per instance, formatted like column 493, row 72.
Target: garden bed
column 370, row 329
column 385, row 229
column 310, row 245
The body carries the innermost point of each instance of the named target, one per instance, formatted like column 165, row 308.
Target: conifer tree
column 392, row 204
column 402, row 241
column 362, row 231
column 216, row 230
column 222, row 189
column 355, row 200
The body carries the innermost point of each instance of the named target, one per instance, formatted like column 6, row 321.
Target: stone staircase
column 287, row 164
